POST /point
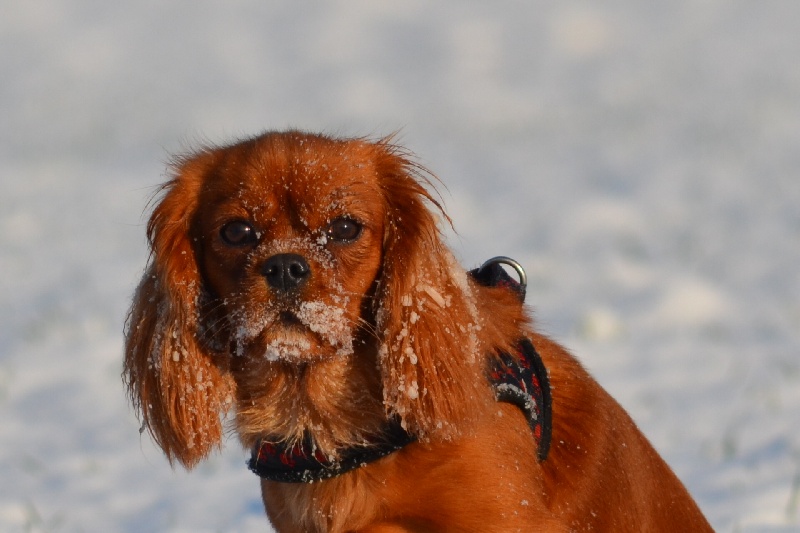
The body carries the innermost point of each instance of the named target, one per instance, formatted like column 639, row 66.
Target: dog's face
column 289, row 243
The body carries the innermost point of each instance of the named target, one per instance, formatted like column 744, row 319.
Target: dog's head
column 302, row 280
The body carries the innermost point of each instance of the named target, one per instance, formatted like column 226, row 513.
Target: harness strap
column 522, row 381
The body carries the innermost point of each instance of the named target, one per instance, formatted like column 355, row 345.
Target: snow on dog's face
column 289, row 235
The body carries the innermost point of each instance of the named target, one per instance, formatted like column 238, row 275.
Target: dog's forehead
column 306, row 174
column 312, row 172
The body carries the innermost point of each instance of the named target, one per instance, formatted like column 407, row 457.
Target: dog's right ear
column 176, row 384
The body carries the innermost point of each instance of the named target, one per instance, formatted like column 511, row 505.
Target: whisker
column 368, row 327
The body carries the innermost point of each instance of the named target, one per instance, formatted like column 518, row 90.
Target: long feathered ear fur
column 176, row 383
column 426, row 313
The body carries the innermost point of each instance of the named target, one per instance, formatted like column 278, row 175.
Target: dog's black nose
column 286, row 272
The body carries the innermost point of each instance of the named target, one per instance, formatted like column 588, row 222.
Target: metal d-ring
column 523, row 278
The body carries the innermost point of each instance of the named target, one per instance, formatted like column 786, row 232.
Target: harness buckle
column 491, row 274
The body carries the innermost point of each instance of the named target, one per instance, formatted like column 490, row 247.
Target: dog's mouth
column 311, row 330
column 289, row 319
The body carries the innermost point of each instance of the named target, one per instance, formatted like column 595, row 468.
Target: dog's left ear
column 426, row 314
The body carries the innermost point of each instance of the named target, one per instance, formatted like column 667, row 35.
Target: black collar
column 304, row 463
column 520, row 379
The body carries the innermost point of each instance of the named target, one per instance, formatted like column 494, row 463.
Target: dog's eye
column 238, row 233
column 343, row 230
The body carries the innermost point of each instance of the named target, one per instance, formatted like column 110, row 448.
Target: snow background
column 640, row 159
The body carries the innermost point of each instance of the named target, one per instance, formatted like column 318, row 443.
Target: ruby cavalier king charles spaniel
column 301, row 283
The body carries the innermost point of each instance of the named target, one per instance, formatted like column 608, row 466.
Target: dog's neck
column 335, row 402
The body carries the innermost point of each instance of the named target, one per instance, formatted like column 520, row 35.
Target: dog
column 301, row 282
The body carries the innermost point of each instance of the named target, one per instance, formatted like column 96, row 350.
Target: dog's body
column 601, row 475
column 302, row 280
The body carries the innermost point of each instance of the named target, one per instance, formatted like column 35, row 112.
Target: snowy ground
column 642, row 159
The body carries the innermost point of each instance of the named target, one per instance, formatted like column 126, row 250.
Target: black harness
column 520, row 379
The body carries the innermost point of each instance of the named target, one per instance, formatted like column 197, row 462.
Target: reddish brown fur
column 411, row 340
